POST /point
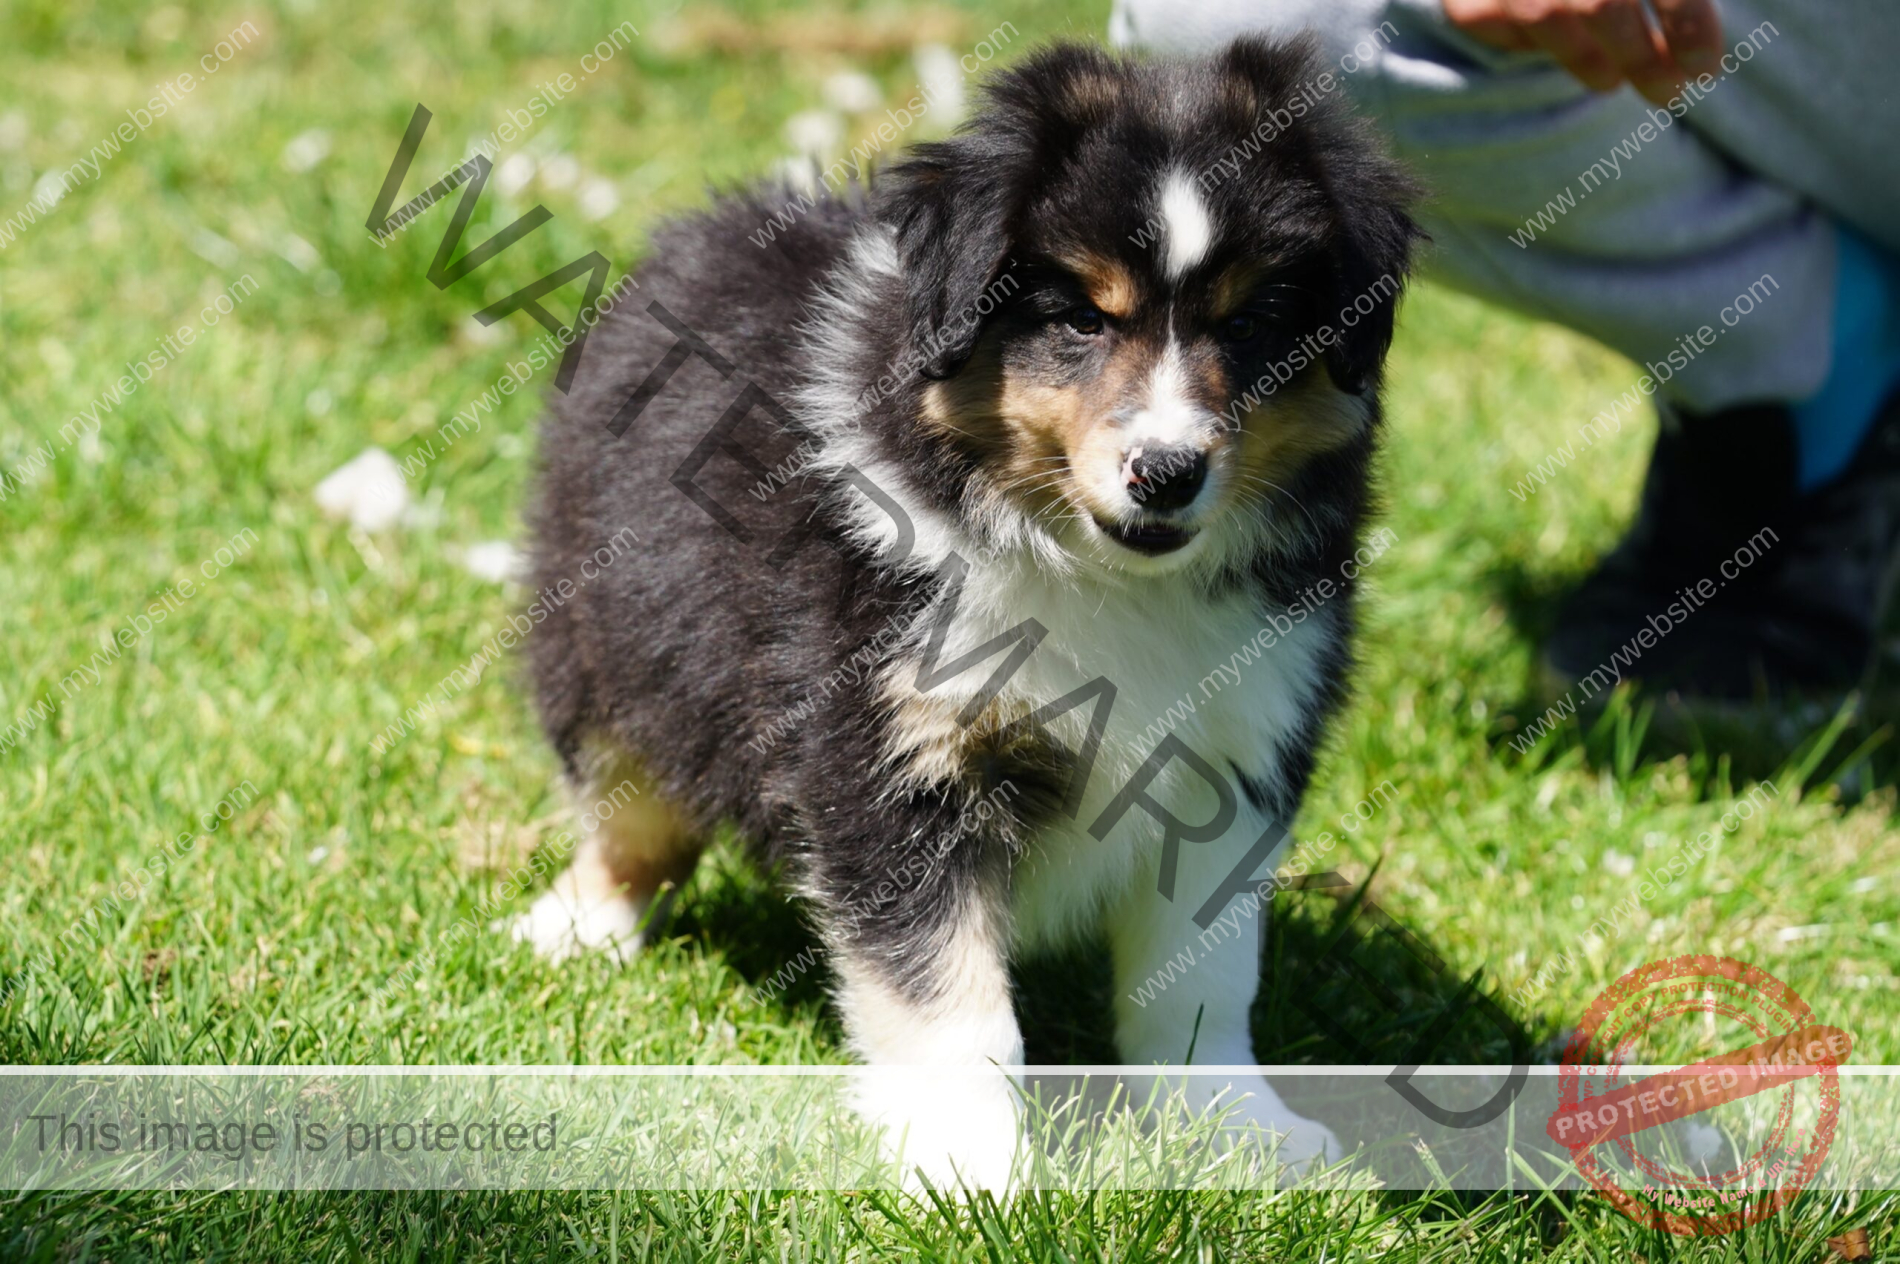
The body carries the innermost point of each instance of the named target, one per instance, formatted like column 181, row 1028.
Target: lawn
column 290, row 642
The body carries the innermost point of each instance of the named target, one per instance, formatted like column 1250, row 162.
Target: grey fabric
column 1746, row 184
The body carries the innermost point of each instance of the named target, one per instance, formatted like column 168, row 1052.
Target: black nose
column 1164, row 479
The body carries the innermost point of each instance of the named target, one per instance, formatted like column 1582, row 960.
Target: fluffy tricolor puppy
column 948, row 496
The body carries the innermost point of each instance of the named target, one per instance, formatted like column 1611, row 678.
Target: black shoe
column 1731, row 587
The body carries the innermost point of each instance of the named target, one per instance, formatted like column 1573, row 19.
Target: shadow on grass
column 1530, row 598
column 1342, row 982
column 1624, row 731
column 1346, row 982
column 743, row 913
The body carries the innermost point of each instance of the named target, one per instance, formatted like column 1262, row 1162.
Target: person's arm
column 1604, row 42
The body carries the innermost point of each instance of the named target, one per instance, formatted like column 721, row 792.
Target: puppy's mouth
column 1149, row 538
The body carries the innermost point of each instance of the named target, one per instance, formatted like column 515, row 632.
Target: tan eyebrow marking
column 1109, row 285
column 1235, row 286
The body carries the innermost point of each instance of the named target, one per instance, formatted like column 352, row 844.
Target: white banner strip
column 1102, row 1127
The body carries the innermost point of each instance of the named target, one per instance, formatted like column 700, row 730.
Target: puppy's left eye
column 1084, row 320
column 1242, row 328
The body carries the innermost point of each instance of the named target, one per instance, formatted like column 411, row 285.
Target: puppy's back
column 680, row 635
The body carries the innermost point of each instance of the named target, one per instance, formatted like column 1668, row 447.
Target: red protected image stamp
column 1717, row 1144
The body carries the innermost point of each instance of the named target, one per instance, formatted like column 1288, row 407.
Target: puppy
column 952, row 497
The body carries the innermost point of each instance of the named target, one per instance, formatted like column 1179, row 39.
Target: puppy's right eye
column 1084, row 320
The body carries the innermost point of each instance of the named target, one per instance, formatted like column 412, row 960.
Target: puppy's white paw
column 1254, row 1111
column 956, row 1129
column 559, row 926
column 1251, row 1114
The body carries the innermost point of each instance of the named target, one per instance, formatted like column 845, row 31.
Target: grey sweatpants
column 1553, row 200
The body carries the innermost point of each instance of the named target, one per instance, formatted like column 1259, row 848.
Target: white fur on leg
column 939, row 1081
column 1178, row 987
column 586, row 909
column 1251, row 1112
column 955, row 1127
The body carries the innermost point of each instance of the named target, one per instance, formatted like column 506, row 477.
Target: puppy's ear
column 1374, row 233
column 1372, row 255
column 955, row 204
column 953, row 233
column 1259, row 76
column 1369, row 193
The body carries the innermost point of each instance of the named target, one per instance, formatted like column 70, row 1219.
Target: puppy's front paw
column 956, row 1129
column 559, row 926
column 1256, row 1117
column 1251, row 1113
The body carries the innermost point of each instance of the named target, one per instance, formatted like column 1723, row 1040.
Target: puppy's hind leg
column 635, row 851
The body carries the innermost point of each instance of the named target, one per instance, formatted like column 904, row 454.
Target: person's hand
column 1604, row 42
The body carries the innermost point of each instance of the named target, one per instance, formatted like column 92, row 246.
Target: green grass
column 267, row 943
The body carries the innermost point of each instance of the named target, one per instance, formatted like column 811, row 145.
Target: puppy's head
column 1148, row 297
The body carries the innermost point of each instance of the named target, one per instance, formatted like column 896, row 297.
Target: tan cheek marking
column 1046, row 425
column 1101, row 449
column 1032, row 436
column 966, row 407
column 1046, row 419
column 1015, row 428
column 1294, row 425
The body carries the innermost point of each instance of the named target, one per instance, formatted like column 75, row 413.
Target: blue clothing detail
column 1865, row 368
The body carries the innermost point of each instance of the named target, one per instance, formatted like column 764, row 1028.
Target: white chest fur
column 1215, row 674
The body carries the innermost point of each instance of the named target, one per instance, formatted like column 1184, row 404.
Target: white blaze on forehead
column 1190, row 230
